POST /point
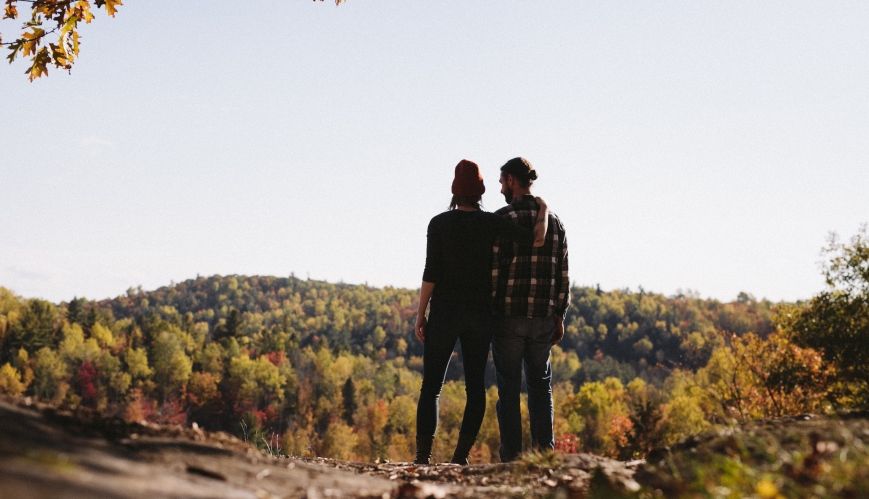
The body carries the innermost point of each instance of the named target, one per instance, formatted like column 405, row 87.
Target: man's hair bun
column 521, row 169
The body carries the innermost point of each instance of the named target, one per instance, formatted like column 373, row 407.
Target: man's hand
column 419, row 329
column 558, row 334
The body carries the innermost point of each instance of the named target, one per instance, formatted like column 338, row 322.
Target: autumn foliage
column 319, row 369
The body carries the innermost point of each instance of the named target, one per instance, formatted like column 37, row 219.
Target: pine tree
column 349, row 395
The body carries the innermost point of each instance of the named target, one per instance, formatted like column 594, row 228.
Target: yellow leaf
column 75, row 43
column 112, row 6
column 61, row 58
column 31, row 41
column 84, row 10
column 70, row 23
column 766, row 489
column 39, row 67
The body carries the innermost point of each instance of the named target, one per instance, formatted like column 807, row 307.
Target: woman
column 457, row 282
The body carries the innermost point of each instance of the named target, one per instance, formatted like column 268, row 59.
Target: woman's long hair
column 475, row 201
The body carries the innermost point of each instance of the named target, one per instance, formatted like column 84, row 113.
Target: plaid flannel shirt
column 528, row 281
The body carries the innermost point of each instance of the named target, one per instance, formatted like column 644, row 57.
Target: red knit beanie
column 468, row 181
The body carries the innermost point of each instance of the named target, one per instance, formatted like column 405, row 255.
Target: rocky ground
column 44, row 453
column 56, row 454
column 50, row 453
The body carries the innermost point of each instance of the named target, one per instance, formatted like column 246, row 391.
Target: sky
column 705, row 146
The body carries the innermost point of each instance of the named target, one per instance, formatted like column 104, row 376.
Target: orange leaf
column 11, row 12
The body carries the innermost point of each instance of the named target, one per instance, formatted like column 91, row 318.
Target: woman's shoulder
column 441, row 219
column 441, row 216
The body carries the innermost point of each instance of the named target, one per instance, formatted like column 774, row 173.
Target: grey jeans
column 524, row 342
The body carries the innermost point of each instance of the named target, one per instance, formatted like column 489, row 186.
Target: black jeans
column 524, row 341
column 445, row 326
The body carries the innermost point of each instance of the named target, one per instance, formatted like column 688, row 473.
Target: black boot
column 463, row 448
column 423, row 450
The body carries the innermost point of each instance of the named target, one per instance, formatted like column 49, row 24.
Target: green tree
column 348, row 393
column 137, row 363
column 836, row 321
column 682, row 414
column 35, row 329
column 210, row 359
column 172, row 366
column 644, row 402
column 76, row 310
column 49, row 374
column 603, row 418
column 254, row 383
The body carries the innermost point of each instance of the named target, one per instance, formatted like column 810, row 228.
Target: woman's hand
column 425, row 292
column 541, row 225
column 419, row 329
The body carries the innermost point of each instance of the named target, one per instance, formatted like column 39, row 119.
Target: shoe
column 423, row 450
column 463, row 449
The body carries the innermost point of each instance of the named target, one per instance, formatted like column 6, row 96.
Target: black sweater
column 459, row 256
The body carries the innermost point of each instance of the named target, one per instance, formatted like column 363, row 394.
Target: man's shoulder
column 505, row 210
column 555, row 220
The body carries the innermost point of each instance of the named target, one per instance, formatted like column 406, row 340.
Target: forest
column 309, row 368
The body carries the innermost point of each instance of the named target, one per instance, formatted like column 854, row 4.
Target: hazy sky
column 685, row 145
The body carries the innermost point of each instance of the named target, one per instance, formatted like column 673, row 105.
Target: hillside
column 629, row 332
column 332, row 370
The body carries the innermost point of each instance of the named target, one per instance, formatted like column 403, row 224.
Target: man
column 531, row 292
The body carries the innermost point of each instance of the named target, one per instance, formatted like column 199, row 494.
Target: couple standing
column 492, row 278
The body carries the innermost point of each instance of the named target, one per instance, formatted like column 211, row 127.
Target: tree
column 137, row 363
column 338, row 441
column 644, row 401
column 348, row 393
column 103, row 335
column 836, row 321
column 229, row 328
column 254, row 384
column 682, row 415
column 49, row 374
column 10, row 380
column 75, row 310
column 172, row 366
column 51, row 35
column 35, row 329
column 601, row 413
column 202, row 389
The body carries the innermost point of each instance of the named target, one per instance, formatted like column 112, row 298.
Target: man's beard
column 508, row 197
